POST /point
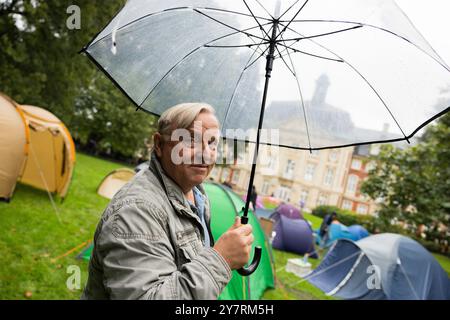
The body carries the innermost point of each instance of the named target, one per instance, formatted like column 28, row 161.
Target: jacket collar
column 174, row 192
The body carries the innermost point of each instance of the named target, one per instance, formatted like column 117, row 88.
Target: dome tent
column 113, row 181
column 47, row 148
column 383, row 266
column 225, row 205
column 14, row 139
column 339, row 231
column 294, row 235
column 292, row 232
column 287, row 210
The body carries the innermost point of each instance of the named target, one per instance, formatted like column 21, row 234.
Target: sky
column 431, row 19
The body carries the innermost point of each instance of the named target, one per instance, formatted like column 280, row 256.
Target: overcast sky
column 431, row 17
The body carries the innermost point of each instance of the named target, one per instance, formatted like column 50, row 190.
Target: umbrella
column 345, row 72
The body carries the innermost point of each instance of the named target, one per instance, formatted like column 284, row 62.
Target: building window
column 272, row 163
column 329, row 175
column 235, row 179
column 314, row 153
column 347, row 205
column 356, row 164
column 322, row 200
column 283, row 193
column 265, row 188
column 214, row 173
column 375, row 149
column 362, row 208
column 370, row 166
column 304, row 196
column 352, row 183
column 289, row 170
column 333, row 156
column 225, row 175
column 309, row 172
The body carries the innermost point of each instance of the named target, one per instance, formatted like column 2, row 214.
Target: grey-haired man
column 154, row 240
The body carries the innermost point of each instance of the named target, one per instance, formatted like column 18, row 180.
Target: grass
column 37, row 248
column 288, row 285
column 33, row 237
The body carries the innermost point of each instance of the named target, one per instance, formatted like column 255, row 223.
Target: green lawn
column 33, row 237
column 35, row 245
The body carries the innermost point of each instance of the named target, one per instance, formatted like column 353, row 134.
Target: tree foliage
column 412, row 185
column 40, row 65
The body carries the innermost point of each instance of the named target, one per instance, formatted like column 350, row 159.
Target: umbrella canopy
column 344, row 72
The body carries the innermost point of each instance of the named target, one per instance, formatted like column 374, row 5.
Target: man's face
column 188, row 156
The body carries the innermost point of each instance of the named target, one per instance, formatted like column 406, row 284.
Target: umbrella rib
column 285, row 63
column 169, row 10
column 270, row 15
column 301, row 98
column 262, row 54
column 238, row 82
column 236, row 46
column 235, row 12
column 375, row 27
column 317, row 35
column 184, row 58
column 227, row 25
column 323, row 34
column 288, row 9
column 293, row 18
column 310, row 54
column 257, row 21
column 365, row 80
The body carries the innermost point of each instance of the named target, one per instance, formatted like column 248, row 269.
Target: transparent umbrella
column 341, row 73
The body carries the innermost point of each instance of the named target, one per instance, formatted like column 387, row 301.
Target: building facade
column 304, row 179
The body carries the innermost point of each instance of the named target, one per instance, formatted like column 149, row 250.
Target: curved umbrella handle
column 255, row 262
column 256, row 257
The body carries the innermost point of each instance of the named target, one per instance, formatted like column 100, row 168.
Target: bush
column 347, row 217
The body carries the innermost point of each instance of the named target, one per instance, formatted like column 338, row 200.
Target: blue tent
column 340, row 231
column 383, row 266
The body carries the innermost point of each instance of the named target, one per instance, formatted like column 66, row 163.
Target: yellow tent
column 14, row 139
column 114, row 181
column 45, row 144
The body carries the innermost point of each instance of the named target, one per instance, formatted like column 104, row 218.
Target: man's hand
column 235, row 244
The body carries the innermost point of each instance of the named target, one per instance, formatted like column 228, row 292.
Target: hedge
column 347, row 217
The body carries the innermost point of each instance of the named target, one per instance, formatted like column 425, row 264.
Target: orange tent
column 35, row 148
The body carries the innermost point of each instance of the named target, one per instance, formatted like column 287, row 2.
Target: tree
column 413, row 184
column 40, row 65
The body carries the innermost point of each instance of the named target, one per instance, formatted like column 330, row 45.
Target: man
column 325, row 226
column 153, row 240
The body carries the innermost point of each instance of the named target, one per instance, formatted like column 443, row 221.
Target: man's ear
column 157, row 144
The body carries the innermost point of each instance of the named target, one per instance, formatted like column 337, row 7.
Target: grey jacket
column 148, row 245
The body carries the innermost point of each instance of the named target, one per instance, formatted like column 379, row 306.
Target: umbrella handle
column 256, row 257
column 255, row 262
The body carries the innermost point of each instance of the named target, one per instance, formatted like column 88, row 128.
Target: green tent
column 225, row 205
